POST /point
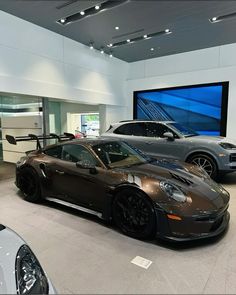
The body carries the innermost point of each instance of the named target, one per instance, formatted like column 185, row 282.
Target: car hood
column 216, row 139
column 206, row 195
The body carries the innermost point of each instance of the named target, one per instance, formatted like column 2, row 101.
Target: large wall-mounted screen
column 202, row 108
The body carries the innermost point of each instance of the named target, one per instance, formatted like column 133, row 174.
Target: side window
column 156, row 130
column 54, row 152
column 137, row 129
column 76, row 153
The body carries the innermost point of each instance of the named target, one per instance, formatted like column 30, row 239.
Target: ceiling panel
column 188, row 20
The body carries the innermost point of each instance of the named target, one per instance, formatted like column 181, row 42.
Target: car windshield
column 119, row 154
column 185, row 131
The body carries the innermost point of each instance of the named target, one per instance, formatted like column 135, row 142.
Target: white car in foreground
column 20, row 270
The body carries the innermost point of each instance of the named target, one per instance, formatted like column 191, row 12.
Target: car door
column 75, row 184
column 157, row 144
column 133, row 133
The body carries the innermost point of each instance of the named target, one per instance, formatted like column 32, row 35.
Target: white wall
column 210, row 65
column 36, row 61
column 19, row 126
column 73, row 108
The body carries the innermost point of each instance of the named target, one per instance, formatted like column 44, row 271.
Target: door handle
column 60, row 172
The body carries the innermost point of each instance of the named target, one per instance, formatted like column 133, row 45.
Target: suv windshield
column 118, row 154
column 185, row 131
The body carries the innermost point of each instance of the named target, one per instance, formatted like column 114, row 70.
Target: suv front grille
column 232, row 158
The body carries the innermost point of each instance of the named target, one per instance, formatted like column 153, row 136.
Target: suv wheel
column 206, row 162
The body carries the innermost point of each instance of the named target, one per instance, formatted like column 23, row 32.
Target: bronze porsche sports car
column 111, row 179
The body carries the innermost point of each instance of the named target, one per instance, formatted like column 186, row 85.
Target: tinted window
column 76, row 153
column 156, row 130
column 137, row 129
column 72, row 153
column 54, row 152
column 185, row 131
column 118, row 154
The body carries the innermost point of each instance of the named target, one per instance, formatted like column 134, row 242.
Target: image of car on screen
column 20, row 270
column 171, row 140
column 144, row 197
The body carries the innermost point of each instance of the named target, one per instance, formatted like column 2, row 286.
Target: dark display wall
column 200, row 107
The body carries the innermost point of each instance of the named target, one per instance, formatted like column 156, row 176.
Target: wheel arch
column 107, row 212
column 203, row 152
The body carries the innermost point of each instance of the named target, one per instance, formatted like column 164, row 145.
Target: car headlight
column 227, row 145
column 30, row 277
column 173, row 191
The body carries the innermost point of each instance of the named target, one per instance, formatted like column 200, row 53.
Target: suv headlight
column 173, row 191
column 30, row 277
column 227, row 145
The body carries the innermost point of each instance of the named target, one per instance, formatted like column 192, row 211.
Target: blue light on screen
column 198, row 108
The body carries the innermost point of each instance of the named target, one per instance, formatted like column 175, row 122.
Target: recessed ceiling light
column 167, row 30
column 102, row 50
column 214, row 19
column 110, row 54
column 91, row 46
column 145, row 36
column 82, row 12
column 117, row 28
column 128, row 40
column 110, row 45
column 97, row 7
column 152, row 49
column 63, row 20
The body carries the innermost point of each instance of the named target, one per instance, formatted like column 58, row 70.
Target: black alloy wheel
column 29, row 185
column 205, row 162
column 134, row 214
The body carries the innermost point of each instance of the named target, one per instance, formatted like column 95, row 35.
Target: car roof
column 141, row 120
column 117, row 124
column 83, row 141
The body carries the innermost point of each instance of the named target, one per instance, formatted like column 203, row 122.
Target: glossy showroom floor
column 82, row 255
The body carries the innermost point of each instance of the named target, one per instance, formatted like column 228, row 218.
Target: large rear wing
column 13, row 140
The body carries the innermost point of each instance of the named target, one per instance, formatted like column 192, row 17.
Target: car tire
column 29, row 185
column 134, row 214
column 206, row 162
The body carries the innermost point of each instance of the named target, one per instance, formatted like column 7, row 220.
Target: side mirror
column 85, row 164
column 169, row 136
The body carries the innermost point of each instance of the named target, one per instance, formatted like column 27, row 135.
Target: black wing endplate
column 13, row 140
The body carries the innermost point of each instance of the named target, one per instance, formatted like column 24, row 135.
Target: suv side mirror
column 169, row 135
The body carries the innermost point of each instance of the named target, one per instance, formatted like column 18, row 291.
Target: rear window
column 54, row 152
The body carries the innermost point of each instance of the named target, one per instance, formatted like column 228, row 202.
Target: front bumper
column 191, row 228
column 227, row 163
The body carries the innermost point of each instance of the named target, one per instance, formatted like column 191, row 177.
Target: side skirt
column 64, row 203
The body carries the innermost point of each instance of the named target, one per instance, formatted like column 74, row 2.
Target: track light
column 220, row 18
column 142, row 38
column 91, row 11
